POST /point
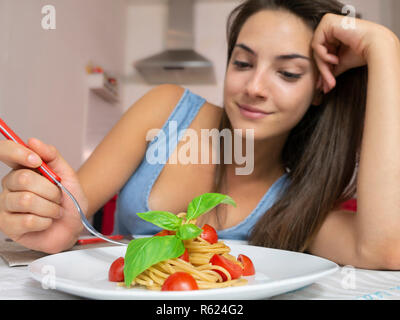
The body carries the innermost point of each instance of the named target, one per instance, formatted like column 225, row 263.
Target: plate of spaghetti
column 182, row 261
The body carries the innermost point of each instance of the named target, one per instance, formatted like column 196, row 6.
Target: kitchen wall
column 43, row 91
column 395, row 16
column 374, row 10
column 146, row 26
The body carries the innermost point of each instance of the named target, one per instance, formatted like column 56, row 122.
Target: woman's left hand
column 339, row 46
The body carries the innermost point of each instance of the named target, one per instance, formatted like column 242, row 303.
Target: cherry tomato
column 248, row 267
column 179, row 281
column 185, row 256
column 97, row 70
column 116, row 272
column 209, row 234
column 233, row 268
column 163, row 233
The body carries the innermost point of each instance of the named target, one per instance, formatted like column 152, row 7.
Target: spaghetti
column 206, row 263
column 199, row 266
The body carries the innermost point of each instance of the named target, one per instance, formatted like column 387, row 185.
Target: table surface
column 345, row 284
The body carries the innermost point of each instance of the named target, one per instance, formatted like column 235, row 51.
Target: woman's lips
column 252, row 113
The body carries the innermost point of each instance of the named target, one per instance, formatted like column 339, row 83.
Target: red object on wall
column 107, row 225
column 350, row 205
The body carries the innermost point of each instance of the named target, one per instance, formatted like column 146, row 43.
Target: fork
column 45, row 170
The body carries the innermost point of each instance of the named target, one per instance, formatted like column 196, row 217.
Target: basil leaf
column 162, row 219
column 142, row 253
column 188, row 231
column 205, row 203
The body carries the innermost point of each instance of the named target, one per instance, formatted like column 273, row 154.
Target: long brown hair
column 321, row 153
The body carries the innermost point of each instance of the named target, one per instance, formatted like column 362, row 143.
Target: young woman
column 323, row 100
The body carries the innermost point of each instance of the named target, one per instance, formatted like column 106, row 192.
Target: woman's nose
column 257, row 85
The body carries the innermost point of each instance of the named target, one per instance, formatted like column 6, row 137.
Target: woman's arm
column 369, row 238
column 122, row 150
column 34, row 212
column 378, row 184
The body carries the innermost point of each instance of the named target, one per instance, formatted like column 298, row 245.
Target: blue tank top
column 133, row 197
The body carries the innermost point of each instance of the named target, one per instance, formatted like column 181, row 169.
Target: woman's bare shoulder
column 210, row 116
column 158, row 103
column 214, row 107
column 167, row 97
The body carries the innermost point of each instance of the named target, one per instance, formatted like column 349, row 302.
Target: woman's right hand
column 34, row 211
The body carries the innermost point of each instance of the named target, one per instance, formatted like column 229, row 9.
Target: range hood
column 179, row 63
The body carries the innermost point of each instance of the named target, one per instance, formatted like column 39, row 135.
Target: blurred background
column 70, row 68
column 69, row 83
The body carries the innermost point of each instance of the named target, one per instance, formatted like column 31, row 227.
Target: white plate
column 85, row 272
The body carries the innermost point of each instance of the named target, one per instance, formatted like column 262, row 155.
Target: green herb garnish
column 142, row 253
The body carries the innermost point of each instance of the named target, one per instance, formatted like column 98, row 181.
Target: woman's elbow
column 383, row 257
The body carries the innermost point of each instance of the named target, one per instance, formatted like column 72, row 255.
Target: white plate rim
column 293, row 283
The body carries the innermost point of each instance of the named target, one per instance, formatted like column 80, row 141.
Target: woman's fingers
column 18, row 224
column 47, row 152
column 28, row 180
column 53, row 158
column 23, row 211
column 30, row 203
column 338, row 49
column 325, row 47
column 324, row 54
column 328, row 79
column 15, row 155
column 326, row 62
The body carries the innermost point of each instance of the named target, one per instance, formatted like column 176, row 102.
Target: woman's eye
column 241, row 64
column 291, row 76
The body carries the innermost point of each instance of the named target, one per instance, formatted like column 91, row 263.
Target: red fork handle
column 44, row 168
